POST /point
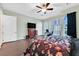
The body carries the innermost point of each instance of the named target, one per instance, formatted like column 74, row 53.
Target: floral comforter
column 51, row 47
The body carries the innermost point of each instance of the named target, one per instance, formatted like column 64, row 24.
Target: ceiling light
column 43, row 10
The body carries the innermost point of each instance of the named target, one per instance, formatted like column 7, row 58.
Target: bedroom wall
column 22, row 26
column 74, row 9
column 69, row 10
column 1, row 13
column 22, row 21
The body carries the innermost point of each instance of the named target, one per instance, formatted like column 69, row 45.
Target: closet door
column 9, row 28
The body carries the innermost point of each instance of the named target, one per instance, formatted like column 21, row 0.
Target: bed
column 50, row 46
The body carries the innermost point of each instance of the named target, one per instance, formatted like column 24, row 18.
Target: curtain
column 71, row 31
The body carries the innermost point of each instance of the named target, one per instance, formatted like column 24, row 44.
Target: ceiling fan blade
column 39, row 7
column 49, row 8
column 47, row 4
column 38, row 11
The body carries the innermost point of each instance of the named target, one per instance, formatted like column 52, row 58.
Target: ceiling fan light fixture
column 43, row 10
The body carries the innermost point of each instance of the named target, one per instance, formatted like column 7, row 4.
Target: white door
column 9, row 28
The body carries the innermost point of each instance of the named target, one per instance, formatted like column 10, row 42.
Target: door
column 9, row 28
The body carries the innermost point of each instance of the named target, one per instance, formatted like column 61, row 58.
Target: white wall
column 22, row 26
column 39, row 27
column 74, row 9
column 69, row 10
column 22, row 21
column 1, row 32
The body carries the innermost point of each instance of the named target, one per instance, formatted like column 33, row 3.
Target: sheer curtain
column 65, row 26
column 58, row 26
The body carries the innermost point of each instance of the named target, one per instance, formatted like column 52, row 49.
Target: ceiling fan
column 44, row 8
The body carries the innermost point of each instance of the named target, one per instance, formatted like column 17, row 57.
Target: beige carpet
column 14, row 48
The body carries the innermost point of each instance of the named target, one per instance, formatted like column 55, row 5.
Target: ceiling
column 30, row 9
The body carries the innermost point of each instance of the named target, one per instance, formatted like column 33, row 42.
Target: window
column 65, row 25
column 57, row 27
